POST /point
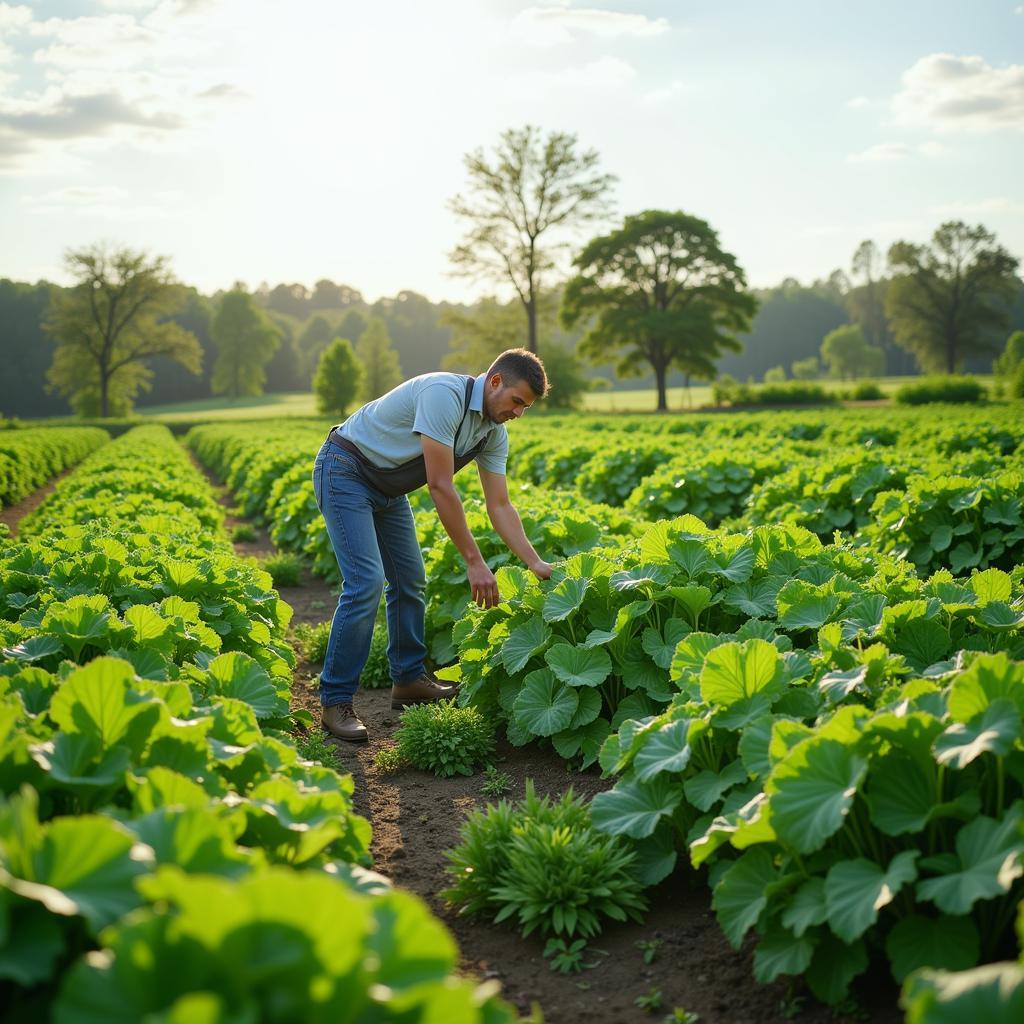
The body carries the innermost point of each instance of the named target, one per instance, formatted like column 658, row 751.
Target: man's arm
column 440, row 464
column 505, row 519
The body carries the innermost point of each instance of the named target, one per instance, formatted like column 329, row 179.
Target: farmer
column 423, row 431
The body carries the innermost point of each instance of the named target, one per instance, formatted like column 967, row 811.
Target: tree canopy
column 522, row 205
column 661, row 291
column 246, row 341
column 945, row 298
column 847, row 353
column 110, row 323
column 381, row 369
column 338, row 378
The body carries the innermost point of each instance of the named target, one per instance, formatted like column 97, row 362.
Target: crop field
column 780, row 664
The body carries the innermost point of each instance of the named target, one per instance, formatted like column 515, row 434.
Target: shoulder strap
column 470, row 381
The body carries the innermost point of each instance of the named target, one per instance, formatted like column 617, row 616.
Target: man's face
column 503, row 402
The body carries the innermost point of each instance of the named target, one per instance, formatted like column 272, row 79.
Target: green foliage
column 804, row 369
column 775, row 375
column 246, row 341
column 496, row 783
column 661, row 292
column 941, row 389
column 1006, row 364
column 312, row 640
column 541, row 862
column 110, row 324
column 650, row 1001
column 381, row 369
column 867, row 391
column 847, row 354
column 338, row 379
column 243, row 533
column 442, row 738
column 390, row 759
column 566, row 958
column 945, row 298
column 649, row 948
column 793, row 392
column 285, row 569
column 28, row 458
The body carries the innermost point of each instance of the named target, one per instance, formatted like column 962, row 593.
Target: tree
column 804, row 369
column 314, row 338
column 111, row 321
column 662, row 291
column 775, row 375
column 338, row 378
column 522, row 206
column 847, row 353
column 946, row 297
column 381, row 368
column 1005, row 365
column 246, row 341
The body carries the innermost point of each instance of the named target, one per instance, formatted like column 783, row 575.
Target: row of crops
column 806, row 675
column 29, row 458
column 165, row 853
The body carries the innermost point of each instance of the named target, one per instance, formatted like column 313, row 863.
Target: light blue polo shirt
column 387, row 429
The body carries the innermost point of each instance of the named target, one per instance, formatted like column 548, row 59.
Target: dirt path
column 416, row 818
column 11, row 515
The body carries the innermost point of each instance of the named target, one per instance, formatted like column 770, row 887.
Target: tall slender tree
column 111, row 322
column 381, row 368
column 338, row 378
column 523, row 206
column 946, row 298
column 246, row 341
column 662, row 292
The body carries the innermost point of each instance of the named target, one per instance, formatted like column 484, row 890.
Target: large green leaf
column 991, row 585
column 807, row 907
column 855, row 891
column 994, row 731
column 565, row 598
column 578, row 666
column 741, row 893
column 81, row 620
column 988, row 678
column 780, row 952
column 237, row 675
column 733, row 672
column 834, row 966
column 665, row 749
column 917, row 941
column 706, row 788
column 987, row 861
column 661, row 646
column 545, row 705
column 993, row 994
column 634, row 808
column 812, row 790
column 804, row 606
column 523, row 642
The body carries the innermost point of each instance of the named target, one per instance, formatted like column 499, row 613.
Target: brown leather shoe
column 340, row 721
column 424, row 690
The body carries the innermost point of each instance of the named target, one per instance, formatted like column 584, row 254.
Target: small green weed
column 496, row 783
column 649, row 1001
column 285, row 569
column 445, row 739
column 649, row 948
column 389, row 759
column 313, row 746
column 243, row 532
column 312, row 640
column 566, row 959
column 680, row 1016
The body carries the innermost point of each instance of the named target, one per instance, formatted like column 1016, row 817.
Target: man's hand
column 483, row 585
column 541, row 569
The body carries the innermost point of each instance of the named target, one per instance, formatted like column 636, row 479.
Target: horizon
column 796, row 131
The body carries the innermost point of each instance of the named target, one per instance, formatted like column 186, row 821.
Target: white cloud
column 670, row 92
column 946, row 92
column 14, row 16
column 960, row 209
column 552, row 26
column 607, row 74
column 106, row 201
column 857, row 102
column 887, row 152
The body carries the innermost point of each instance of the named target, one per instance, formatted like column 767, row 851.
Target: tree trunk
column 660, row 373
column 104, row 393
column 531, row 320
column 951, row 351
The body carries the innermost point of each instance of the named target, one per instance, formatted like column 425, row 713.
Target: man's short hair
column 520, row 364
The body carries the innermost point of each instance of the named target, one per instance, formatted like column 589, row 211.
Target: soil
column 416, row 817
column 11, row 515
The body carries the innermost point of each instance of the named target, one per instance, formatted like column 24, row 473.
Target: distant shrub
column 867, row 391
column 776, row 375
column 285, row 569
column 793, row 392
column 1017, row 383
column 941, row 389
column 805, row 369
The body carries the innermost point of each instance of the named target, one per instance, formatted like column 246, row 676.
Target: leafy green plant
column 313, row 746
column 649, row 948
column 496, row 783
column 566, row 958
column 941, row 389
column 390, row 759
column 243, row 533
column 541, row 863
column 681, row 1016
column 442, row 738
column 650, row 1001
column 312, row 640
column 285, row 569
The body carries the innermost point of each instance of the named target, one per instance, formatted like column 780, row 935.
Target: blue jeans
column 374, row 540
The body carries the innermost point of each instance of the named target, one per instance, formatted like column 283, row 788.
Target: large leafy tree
column 110, row 323
column 338, row 378
column 523, row 205
column 946, row 298
column 246, row 341
column 662, row 292
column 381, row 369
column 847, row 353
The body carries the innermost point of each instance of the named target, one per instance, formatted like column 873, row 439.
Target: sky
column 261, row 140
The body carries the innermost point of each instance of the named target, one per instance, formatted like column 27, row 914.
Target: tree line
column 653, row 294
